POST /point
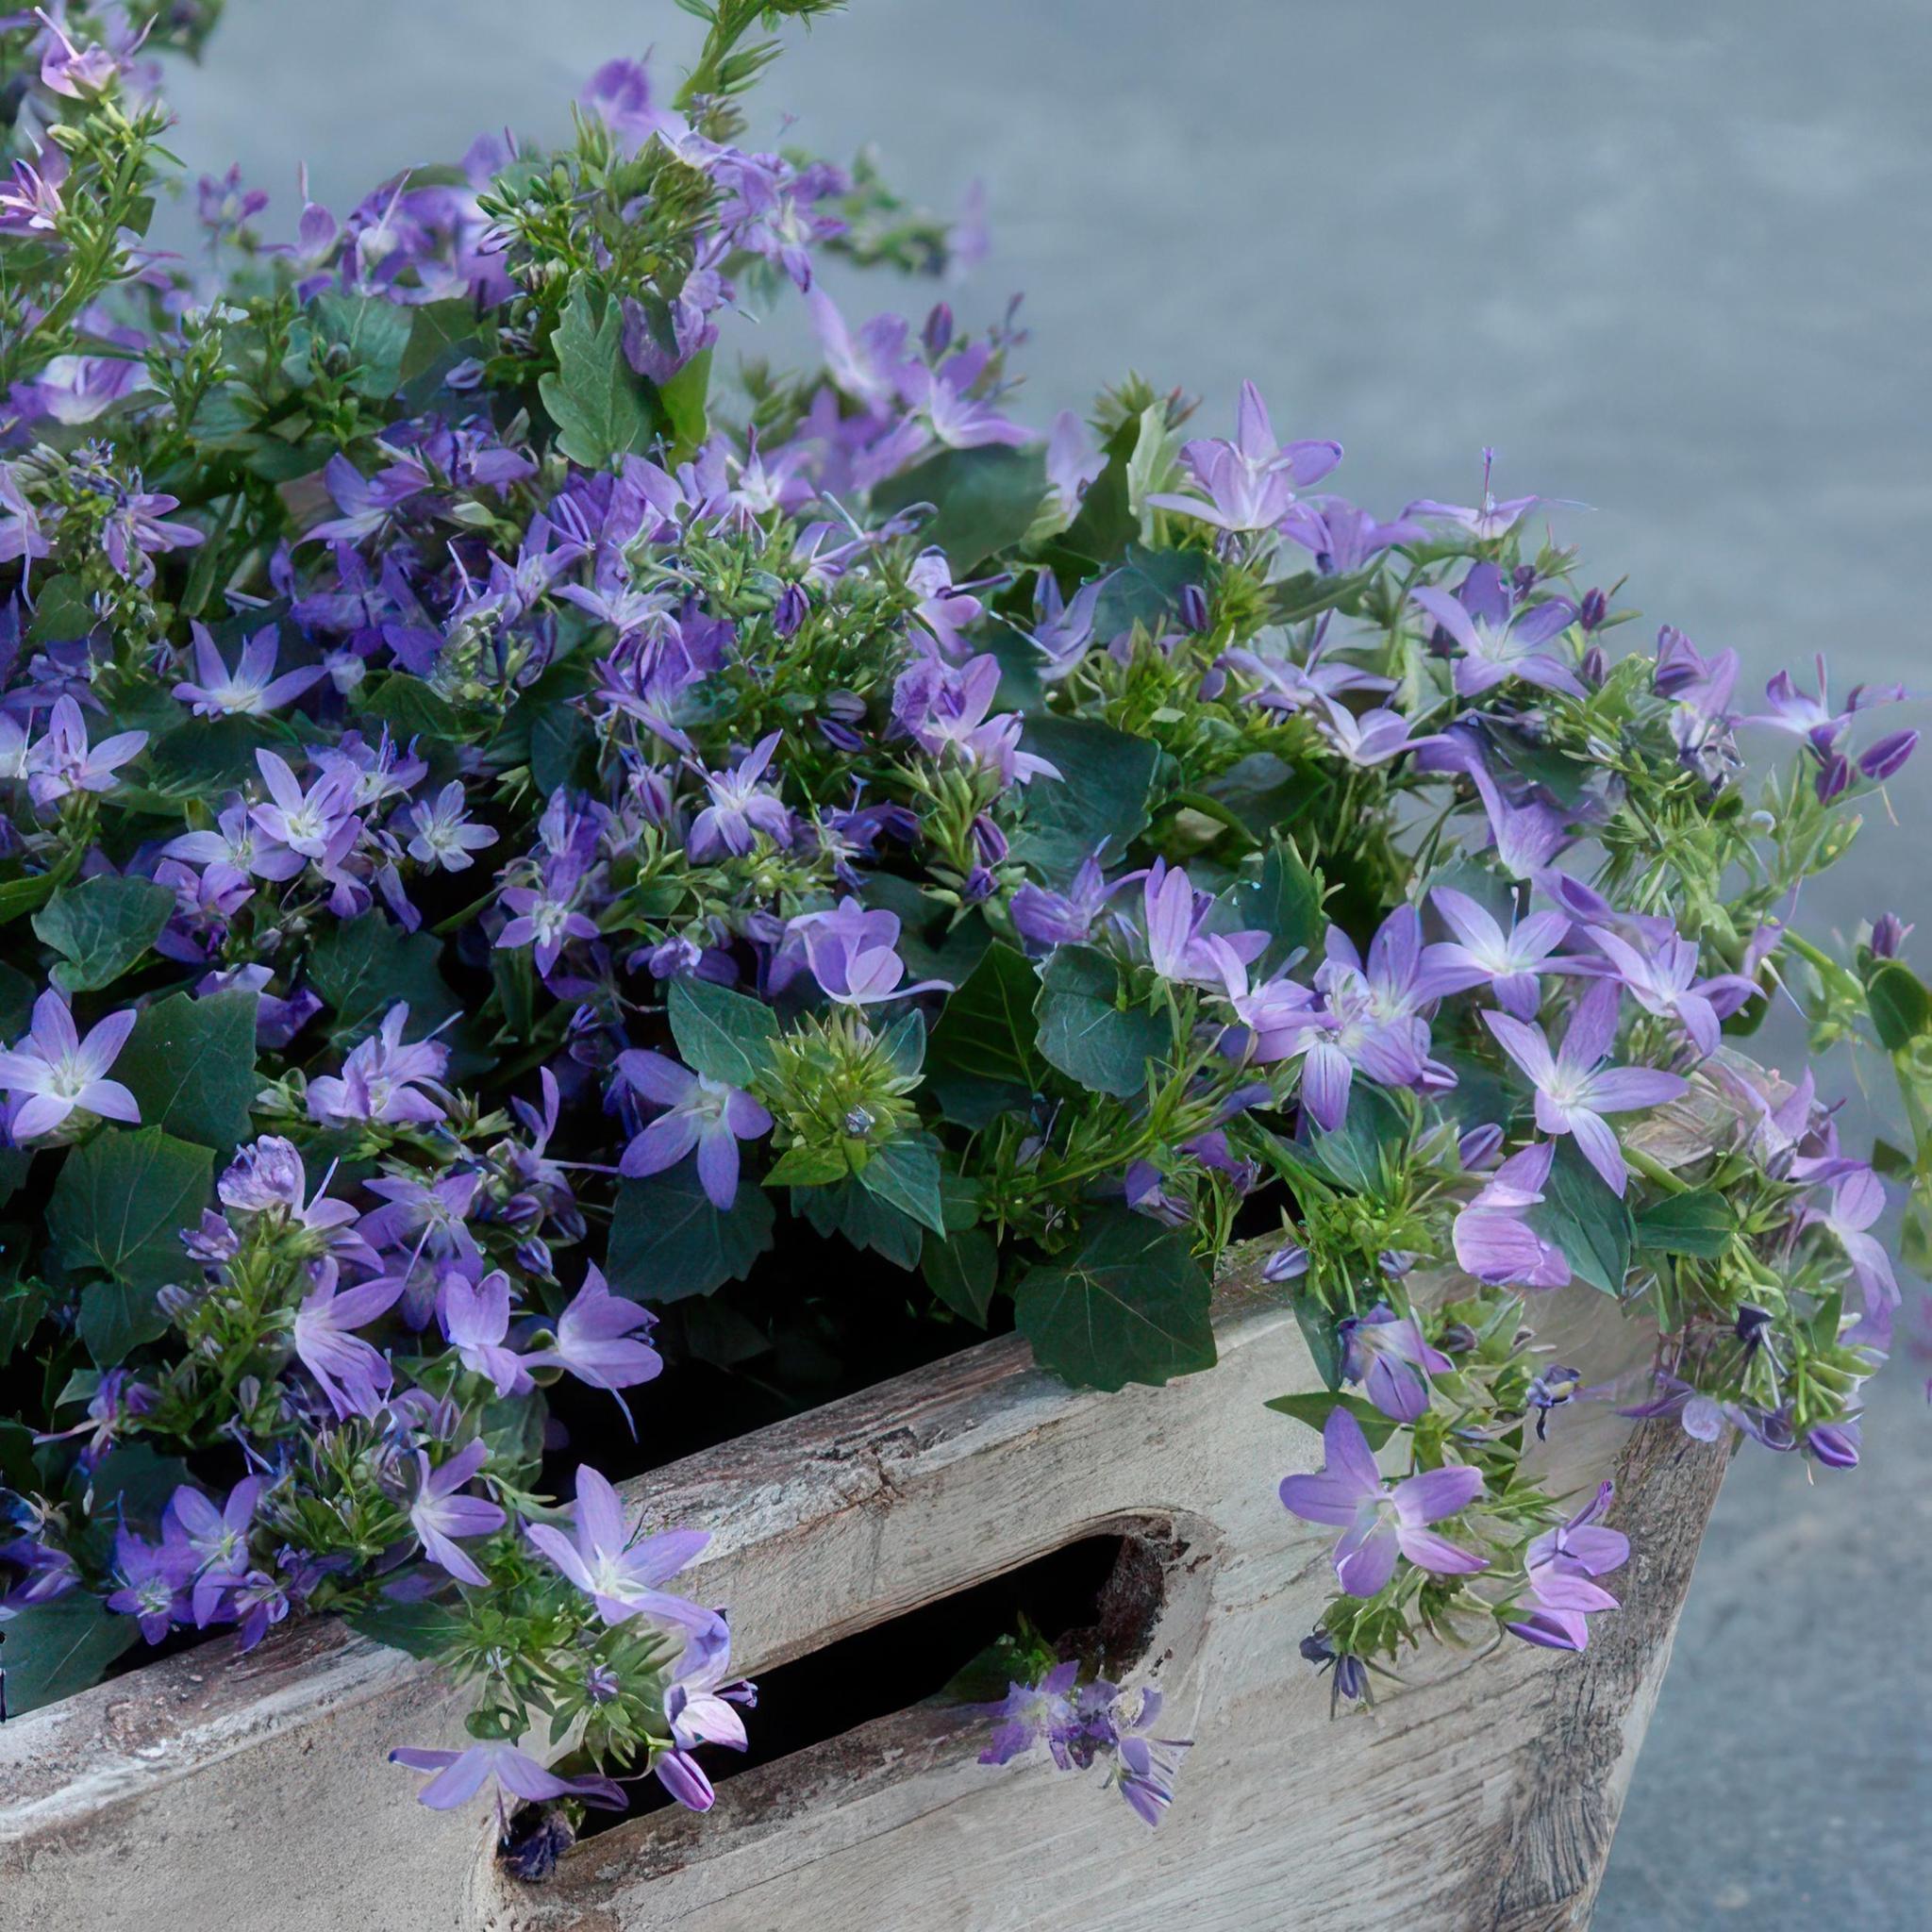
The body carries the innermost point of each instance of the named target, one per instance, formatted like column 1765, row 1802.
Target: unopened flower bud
column 1593, row 610
column 938, row 331
column 791, row 609
column 857, row 1123
column 1889, row 755
column 1889, row 935
column 1193, row 608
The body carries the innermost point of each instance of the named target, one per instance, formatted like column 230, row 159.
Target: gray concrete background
column 1674, row 263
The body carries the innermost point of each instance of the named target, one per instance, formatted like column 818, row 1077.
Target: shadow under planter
column 1482, row 1792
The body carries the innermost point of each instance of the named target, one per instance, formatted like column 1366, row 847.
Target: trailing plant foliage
column 508, row 825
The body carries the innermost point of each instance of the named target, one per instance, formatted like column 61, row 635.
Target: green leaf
column 1294, row 599
column 57, row 1648
column 1130, row 1306
column 866, row 1220
column 22, row 1306
column 442, row 334
column 1101, row 795
column 62, row 612
column 364, row 966
column 1583, row 1217
column 1146, row 588
column 1086, row 1034
column 101, row 927
column 1285, row 903
column 985, row 499
column 904, row 1043
column 1105, row 524
column 668, row 1241
column 963, row 1271
column 1367, row 1146
column 204, row 757
column 190, row 1064
column 981, row 1061
column 682, row 401
column 135, row 1481
column 724, row 1035
column 905, row 1173
column 421, row 1629
column 119, row 1203
column 563, row 749
column 1316, row 1409
column 376, row 332
column 1318, row 1331
column 1699, row 1224
column 17, row 993
column 807, row 1167
column 602, row 408
column 116, row 1317
column 1901, row 1006
column 413, row 709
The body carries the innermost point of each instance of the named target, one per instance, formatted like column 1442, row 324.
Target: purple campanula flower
column 22, row 534
column 153, row 1582
column 1802, row 714
column 430, row 1218
column 440, row 832
column 52, row 1072
column 268, row 1175
column 1574, row 1090
column 135, row 533
column 311, row 822
column 382, row 1080
column 1887, row 757
column 1289, row 1262
column 118, row 1402
column 216, row 1539
column 740, row 808
column 1483, row 954
column 1858, row 1201
column 224, row 206
column 711, row 1115
column 1248, row 484
column 1487, row 520
column 942, row 398
column 62, row 760
column 1351, row 1679
column 1372, row 738
column 31, row 201
column 1147, row 1194
column 461, row 1774
column 1662, row 978
column 475, row 1321
column 252, row 687
column 1072, row 463
column 1559, row 1565
column 546, row 917
column 867, row 365
column 944, row 611
column 239, row 845
column 352, row 1374
column 1044, row 918
column 440, row 1516
column 1888, row 935
column 621, row 1573
column 595, row 1338
column 367, row 503
column 1387, row 1353
column 1342, row 537
column 698, row 1706
column 1062, row 631
column 939, row 706
column 1498, row 638
column 1494, row 1242
column 1836, row 1446
column 1382, row 1522
column 853, row 955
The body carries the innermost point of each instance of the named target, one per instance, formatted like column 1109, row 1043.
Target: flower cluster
column 480, row 786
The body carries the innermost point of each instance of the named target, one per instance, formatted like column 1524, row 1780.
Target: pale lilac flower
column 545, row 917
column 476, row 1320
column 1500, row 638
column 53, row 1072
column 1663, row 980
column 1342, row 537
column 1044, row 918
column 1487, row 520
column 440, row 1516
column 741, row 806
column 595, row 1338
column 1387, row 1353
column 311, row 821
column 1574, row 1090
column 1483, row 954
column 1072, row 463
column 1494, row 1242
column 351, row 1372
column 940, row 705
column 441, row 832
column 367, row 503
column 1062, row 631
column 63, row 762
column 1858, row 1201
column 269, row 1175
column 216, row 1539
column 1803, row 715
column 21, row 523
column 700, row 1112
column 461, row 1774
column 237, row 843
column 1248, row 484
column 698, row 1706
column 1559, row 1564
column 1382, row 1522
column 381, row 1078
column 134, row 532
column 620, row 1574
column 1373, row 738
column 853, row 955
column 153, row 1580
column 867, row 366
column 251, row 688
column 940, row 398
column 31, row 201
column 943, row 610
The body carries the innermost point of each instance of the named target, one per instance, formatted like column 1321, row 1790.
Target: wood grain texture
column 203, row 1794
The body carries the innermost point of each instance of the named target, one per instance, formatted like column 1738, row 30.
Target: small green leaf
column 905, row 1173
column 723, row 1035
column 1297, row 598
column 190, row 1065
column 682, row 401
column 602, row 408
column 1130, row 1306
column 376, row 332
column 982, row 1059
column 1146, row 588
column 985, row 499
column 963, row 1271
column 1285, row 903
column 1582, row 1216
column 1087, row 1035
column 668, row 1241
column 101, row 927
column 204, row 757
column 364, row 966
column 418, row 1628
column 1369, row 1144
column 1101, row 796
column 22, row 1306
column 62, row 612
column 809, row 1167
column 866, row 1220
column 116, row 1317
column 1105, row 524
column 1901, row 1006
column 1316, row 1409
column 413, row 709
column 119, row 1203
column 1699, row 1224
column 1318, row 1331
column 57, row 1648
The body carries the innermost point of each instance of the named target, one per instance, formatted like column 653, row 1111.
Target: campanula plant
column 517, row 818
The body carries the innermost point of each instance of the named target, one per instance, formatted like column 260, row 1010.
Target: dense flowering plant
column 504, row 827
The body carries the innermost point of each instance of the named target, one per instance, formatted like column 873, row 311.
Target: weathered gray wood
column 201, row 1792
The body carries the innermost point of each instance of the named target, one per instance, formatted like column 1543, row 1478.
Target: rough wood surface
column 202, row 1793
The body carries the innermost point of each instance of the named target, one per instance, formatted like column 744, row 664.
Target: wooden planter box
column 211, row 1794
